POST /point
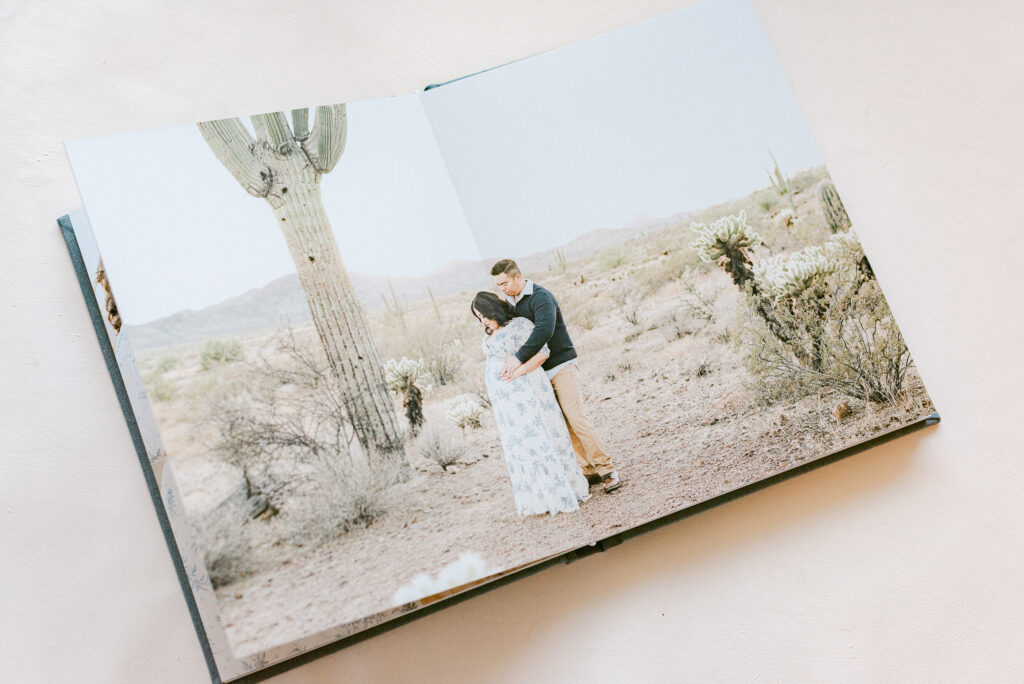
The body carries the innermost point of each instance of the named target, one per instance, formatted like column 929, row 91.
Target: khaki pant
column 589, row 452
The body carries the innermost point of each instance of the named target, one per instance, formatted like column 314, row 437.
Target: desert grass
column 664, row 354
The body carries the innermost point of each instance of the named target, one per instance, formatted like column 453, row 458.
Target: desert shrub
column 673, row 329
column 225, row 542
column 580, row 307
column 695, row 302
column 216, row 352
column 628, row 301
column 667, row 265
column 344, row 496
column 289, row 432
column 476, row 387
column 440, row 349
column 612, row 257
column 823, row 320
column 464, row 411
column 158, row 387
column 167, row 363
column 839, row 331
column 439, row 447
column 586, row 315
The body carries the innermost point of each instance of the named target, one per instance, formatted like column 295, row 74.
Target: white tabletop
column 900, row 563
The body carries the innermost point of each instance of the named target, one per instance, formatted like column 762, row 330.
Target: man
column 536, row 303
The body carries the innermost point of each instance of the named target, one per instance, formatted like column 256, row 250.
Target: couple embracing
column 551, row 449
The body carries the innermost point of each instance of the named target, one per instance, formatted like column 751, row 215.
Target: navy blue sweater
column 549, row 328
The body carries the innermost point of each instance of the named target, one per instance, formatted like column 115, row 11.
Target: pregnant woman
column 541, row 463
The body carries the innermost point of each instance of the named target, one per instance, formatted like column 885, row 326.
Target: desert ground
column 660, row 339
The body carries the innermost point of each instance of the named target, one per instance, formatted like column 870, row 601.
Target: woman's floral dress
column 541, row 463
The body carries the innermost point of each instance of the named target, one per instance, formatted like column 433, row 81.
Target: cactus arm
column 232, row 144
column 300, row 123
column 326, row 140
column 273, row 129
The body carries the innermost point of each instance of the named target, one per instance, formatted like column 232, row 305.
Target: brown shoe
column 611, row 482
column 594, row 479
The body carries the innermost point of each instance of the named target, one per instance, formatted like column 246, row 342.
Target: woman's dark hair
column 489, row 305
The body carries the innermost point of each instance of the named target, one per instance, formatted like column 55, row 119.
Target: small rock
column 452, row 469
column 841, row 410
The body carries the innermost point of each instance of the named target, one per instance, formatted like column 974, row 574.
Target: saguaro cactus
column 283, row 166
column 835, row 213
column 395, row 306
column 780, row 182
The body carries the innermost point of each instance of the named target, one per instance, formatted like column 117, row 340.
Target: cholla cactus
column 403, row 373
column 464, row 411
column 402, row 378
column 782, row 276
column 726, row 242
column 835, row 213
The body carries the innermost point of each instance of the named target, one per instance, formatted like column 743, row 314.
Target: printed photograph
column 396, row 348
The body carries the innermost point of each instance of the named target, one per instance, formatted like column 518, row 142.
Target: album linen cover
column 380, row 355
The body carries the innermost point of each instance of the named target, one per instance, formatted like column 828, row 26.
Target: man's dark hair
column 489, row 305
column 506, row 266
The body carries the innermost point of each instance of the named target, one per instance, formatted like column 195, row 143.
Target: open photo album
column 378, row 356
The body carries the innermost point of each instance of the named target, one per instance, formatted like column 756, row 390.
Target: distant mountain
column 282, row 300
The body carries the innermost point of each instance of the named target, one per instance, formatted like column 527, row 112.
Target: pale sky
column 177, row 231
column 674, row 114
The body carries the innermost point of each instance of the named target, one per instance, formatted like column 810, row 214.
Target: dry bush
column 439, row 446
column 585, row 316
column 167, row 363
column 668, row 267
column 290, row 435
column 673, row 329
column 612, row 257
column 821, row 319
column 628, row 301
column 225, row 541
column 700, row 307
column 216, row 352
column 843, row 336
column 477, row 387
column 580, row 307
column 439, row 347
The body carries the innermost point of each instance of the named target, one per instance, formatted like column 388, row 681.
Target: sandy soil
column 664, row 383
column 676, row 438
